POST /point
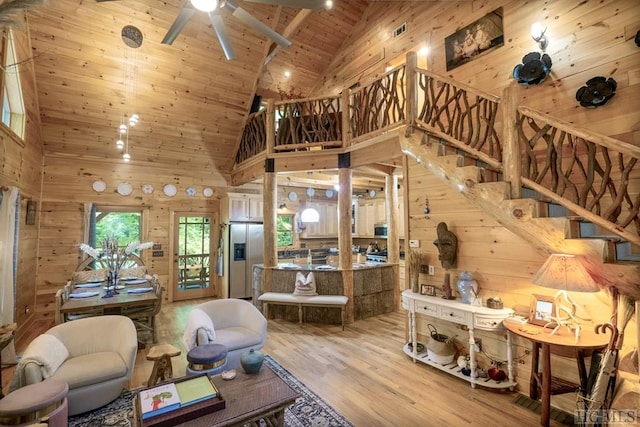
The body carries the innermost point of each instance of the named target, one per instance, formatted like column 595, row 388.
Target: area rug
column 308, row 410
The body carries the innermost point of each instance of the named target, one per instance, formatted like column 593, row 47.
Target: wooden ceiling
column 191, row 101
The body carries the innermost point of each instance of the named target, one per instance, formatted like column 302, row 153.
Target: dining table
column 115, row 304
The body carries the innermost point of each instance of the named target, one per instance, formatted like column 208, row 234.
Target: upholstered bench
column 281, row 298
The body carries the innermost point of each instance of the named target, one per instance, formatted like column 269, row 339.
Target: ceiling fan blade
column 178, row 24
column 255, row 23
column 300, row 4
column 223, row 36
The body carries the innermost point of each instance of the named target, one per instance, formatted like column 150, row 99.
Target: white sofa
column 102, row 352
column 238, row 325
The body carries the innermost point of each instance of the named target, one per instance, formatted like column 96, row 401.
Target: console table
column 473, row 317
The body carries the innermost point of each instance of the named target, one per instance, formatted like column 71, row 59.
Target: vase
column 414, row 276
column 251, row 361
column 467, row 287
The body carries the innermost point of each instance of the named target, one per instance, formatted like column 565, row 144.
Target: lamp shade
column 310, row 215
column 565, row 272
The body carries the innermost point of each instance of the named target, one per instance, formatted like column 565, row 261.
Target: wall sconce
column 539, row 36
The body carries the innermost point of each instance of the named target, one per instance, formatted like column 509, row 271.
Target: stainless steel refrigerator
column 245, row 250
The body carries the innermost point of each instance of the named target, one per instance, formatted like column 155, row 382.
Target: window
column 122, row 223
column 13, row 114
column 284, row 230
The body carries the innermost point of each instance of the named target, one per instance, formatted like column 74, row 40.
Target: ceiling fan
column 213, row 8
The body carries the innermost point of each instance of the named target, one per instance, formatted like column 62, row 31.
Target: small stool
column 209, row 358
column 162, row 368
column 40, row 402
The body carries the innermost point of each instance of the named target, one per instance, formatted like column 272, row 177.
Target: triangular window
column 13, row 113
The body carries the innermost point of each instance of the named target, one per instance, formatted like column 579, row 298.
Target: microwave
column 380, row 230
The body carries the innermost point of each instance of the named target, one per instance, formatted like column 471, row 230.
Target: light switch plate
column 432, row 270
column 414, row 243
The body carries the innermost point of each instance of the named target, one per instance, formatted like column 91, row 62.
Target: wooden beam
column 288, row 31
column 270, row 206
column 512, row 164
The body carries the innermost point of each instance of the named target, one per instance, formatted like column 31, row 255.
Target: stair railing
column 590, row 174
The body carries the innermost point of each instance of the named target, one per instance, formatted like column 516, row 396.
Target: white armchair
column 101, row 357
column 238, row 325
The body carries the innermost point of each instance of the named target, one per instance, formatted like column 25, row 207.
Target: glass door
column 194, row 269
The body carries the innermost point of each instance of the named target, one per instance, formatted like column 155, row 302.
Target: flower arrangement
column 112, row 256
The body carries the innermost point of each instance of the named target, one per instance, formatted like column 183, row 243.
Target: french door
column 195, row 263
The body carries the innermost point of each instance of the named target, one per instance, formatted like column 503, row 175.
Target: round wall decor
column 169, row 190
column 99, row 186
column 124, row 189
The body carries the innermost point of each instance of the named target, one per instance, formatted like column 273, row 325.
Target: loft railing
column 463, row 116
column 378, row 106
column 307, row 123
column 254, row 137
column 591, row 175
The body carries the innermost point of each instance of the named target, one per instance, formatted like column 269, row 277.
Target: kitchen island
column 373, row 289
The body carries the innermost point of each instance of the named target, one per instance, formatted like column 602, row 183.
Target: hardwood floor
column 361, row 372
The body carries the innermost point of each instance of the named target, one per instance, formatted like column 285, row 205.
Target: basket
column 440, row 348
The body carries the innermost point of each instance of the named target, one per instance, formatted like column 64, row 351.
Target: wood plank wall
column 21, row 166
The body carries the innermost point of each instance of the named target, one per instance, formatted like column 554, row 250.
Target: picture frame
column 429, row 290
column 541, row 310
column 476, row 39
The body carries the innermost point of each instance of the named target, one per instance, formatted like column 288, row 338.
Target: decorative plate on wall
column 329, row 194
column 190, row 191
column 124, row 189
column 310, row 192
column 208, row 192
column 147, row 188
column 99, row 186
column 372, row 193
column 293, row 196
column 169, row 190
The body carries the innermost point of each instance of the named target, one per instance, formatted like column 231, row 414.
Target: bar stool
column 40, row 402
column 209, row 358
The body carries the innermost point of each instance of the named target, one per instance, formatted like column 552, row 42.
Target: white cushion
column 305, row 285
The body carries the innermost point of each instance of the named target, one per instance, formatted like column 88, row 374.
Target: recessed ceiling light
column 287, row 74
column 328, row 4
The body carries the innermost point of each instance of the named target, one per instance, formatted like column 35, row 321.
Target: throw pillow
column 305, row 286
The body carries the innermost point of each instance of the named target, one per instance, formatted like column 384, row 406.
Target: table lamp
column 565, row 273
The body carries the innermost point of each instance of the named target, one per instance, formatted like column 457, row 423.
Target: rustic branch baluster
column 254, row 137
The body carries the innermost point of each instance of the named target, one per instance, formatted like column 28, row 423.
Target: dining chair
column 144, row 317
column 62, row 295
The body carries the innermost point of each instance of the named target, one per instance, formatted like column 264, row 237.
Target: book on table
column 168, row 397
column 196, row 390
column 158, row 400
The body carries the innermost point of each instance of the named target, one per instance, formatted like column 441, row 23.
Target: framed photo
column 541, row 309
column 475, row 39
column 429, row 290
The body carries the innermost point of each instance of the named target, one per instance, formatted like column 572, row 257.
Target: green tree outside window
column 284, row 230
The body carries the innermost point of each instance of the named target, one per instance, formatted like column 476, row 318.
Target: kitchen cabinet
column 327, row 226
column 243, row 207
column 370, row 212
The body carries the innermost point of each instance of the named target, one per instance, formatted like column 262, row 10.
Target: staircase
column 547, row 226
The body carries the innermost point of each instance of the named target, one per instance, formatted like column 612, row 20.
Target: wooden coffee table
column 248, row 399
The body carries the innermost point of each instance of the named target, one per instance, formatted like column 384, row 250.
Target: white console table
column 473, row 317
